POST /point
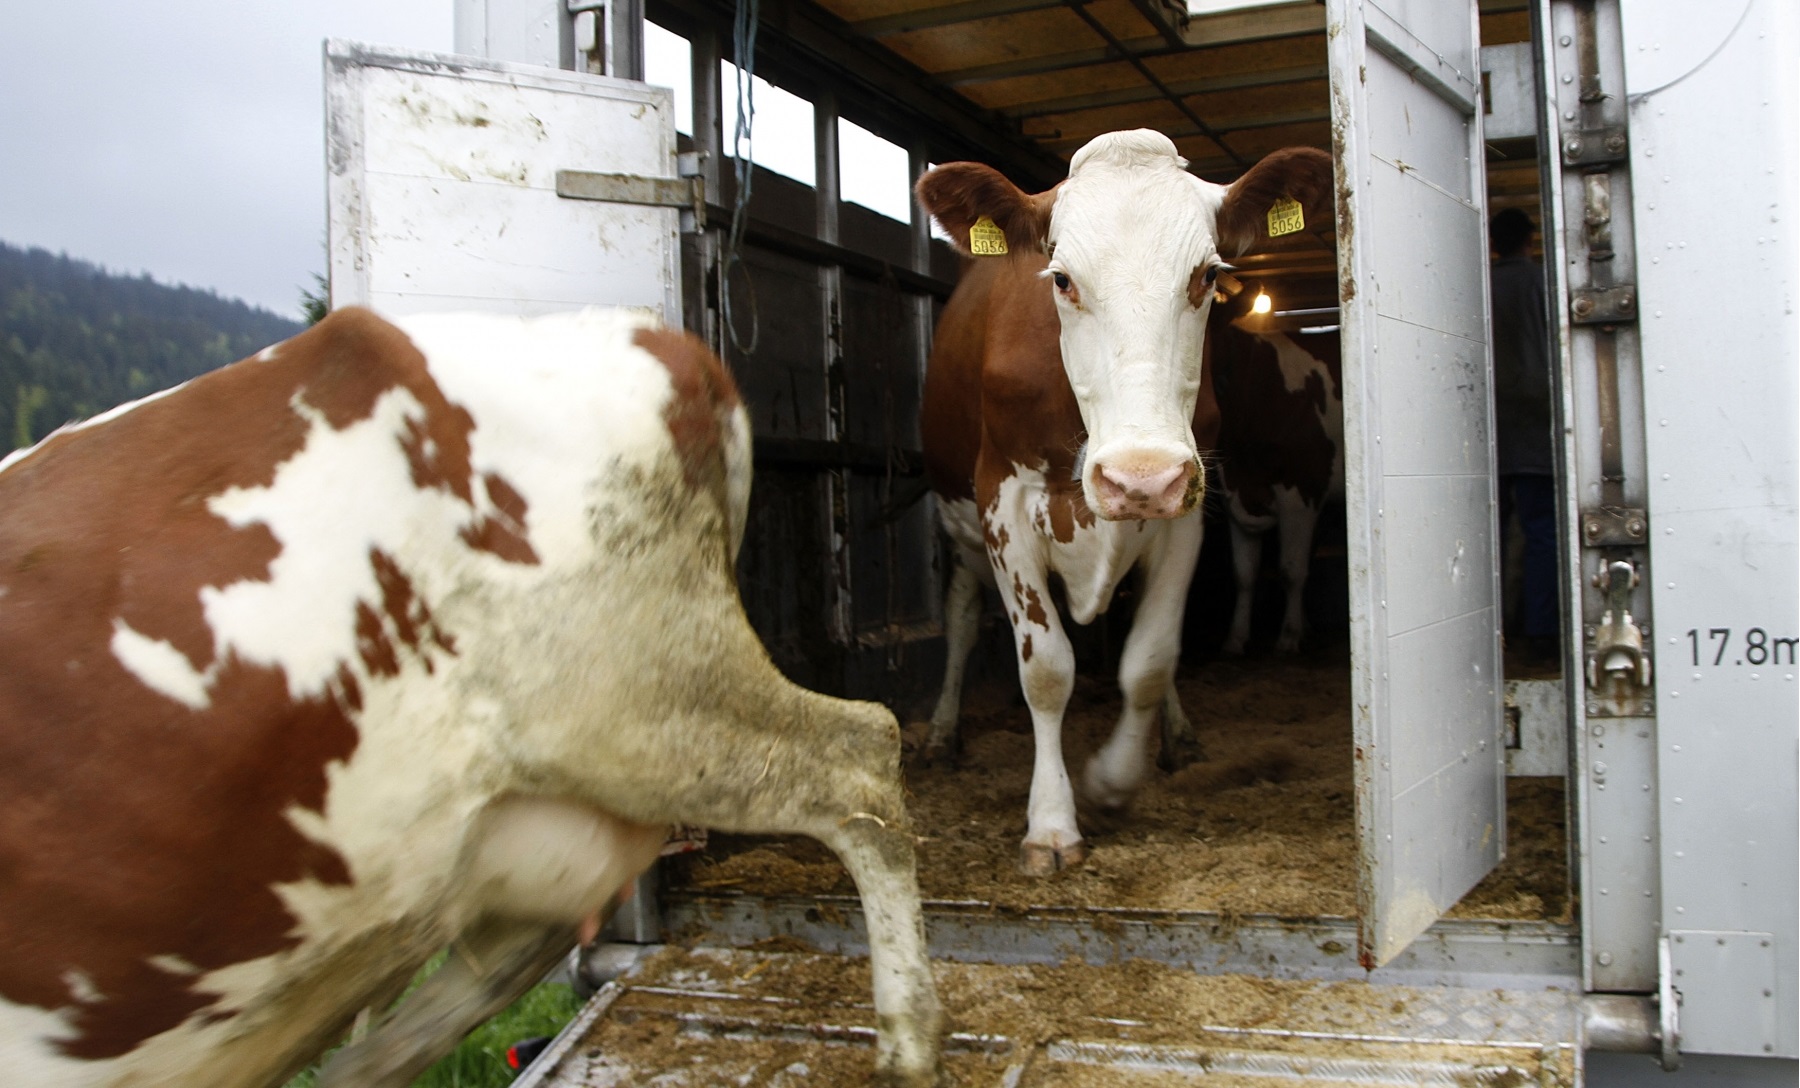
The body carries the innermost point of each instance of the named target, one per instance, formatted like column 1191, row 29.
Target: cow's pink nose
column 1130, row 488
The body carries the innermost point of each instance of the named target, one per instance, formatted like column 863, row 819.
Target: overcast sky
column 183, row 138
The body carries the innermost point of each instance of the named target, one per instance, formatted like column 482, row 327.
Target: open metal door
column 447, row 182
column 1424, row 575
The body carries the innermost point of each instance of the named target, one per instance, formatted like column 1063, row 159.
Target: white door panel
column 1412, row 253
column 443, row 195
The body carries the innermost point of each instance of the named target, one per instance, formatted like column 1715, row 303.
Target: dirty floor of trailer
column 1263, row 825
column 776, row 1017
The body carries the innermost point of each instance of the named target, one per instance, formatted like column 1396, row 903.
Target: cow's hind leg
column 881, row 860
column 1246, row 562
column 488, row 968
column 962, row 617
column 1180, row 744
column 1299, row 519
column 790, row 761
column 1147, row 667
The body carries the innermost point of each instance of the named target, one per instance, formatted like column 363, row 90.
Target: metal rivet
column 1604, row 959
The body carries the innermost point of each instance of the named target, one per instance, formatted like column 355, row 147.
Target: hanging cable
column 743, row 45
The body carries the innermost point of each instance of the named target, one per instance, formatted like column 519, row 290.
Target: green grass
column 480, row 1060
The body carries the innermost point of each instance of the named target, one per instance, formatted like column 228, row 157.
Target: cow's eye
column 1061, row 281
column 1212, row 273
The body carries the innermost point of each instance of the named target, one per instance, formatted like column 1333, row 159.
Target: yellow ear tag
column 1285, row 217
column 986, row 239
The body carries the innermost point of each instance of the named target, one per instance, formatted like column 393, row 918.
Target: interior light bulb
column 1263, row 304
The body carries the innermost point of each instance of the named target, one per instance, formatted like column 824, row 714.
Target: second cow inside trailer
column 1270, row 909
column 1265, row 827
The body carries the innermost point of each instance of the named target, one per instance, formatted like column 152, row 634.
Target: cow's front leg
column 488, row 968
column 1298, row 520
column 1047, row 675
column 1147, row 667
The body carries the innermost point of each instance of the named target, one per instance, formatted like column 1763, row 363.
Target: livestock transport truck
column 1407, row 860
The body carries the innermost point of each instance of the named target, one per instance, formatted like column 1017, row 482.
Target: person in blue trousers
column 1523, row 431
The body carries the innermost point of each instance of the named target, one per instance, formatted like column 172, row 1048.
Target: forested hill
column 76, row 339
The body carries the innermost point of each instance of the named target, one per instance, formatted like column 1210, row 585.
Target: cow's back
column 145, row 830
column 265, row 637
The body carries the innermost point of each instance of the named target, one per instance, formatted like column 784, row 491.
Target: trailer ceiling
column 1035, row 79
column 1021, row 84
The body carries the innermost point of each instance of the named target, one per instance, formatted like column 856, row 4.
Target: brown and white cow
column 390, row 637
column 1281, row 451
column 1064, row 416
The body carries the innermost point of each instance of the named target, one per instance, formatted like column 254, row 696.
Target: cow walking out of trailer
column 1281, row 452
column 1065, row 413
column 388, row 638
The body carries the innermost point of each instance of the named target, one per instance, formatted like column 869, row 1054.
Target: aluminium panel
column 1720, row 392
column 1412, row 253
column 441, row 186
column 1614, row 772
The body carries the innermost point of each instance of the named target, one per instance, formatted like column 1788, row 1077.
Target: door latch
column 1617, row 646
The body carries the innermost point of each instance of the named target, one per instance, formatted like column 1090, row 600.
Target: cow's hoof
column 934, row 1078
column 1288, row 644
column 1234, row 647
column 1102, row 796
column 924, row 751
column 1037, row 859
column 1179, row 752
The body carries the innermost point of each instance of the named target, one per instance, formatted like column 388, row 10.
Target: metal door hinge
column 1616, row 654
column 1614, row 526
column 1603, row 305
column 1668, row 1007
column 1595, row 146
column 685, row 193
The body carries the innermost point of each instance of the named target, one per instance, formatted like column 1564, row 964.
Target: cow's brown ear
column 1298, row 174
column 959, row 195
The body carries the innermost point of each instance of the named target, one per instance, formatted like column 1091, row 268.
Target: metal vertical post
column 625, row 39
column 537, row 32
column 919, row 161
column 1590, row 261
column 709, row 143
column 827, row 192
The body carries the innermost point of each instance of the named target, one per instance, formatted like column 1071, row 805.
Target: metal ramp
column 689, row 1018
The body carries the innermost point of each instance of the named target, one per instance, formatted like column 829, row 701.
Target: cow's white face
column 1133, row 255
column 1134, row 242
